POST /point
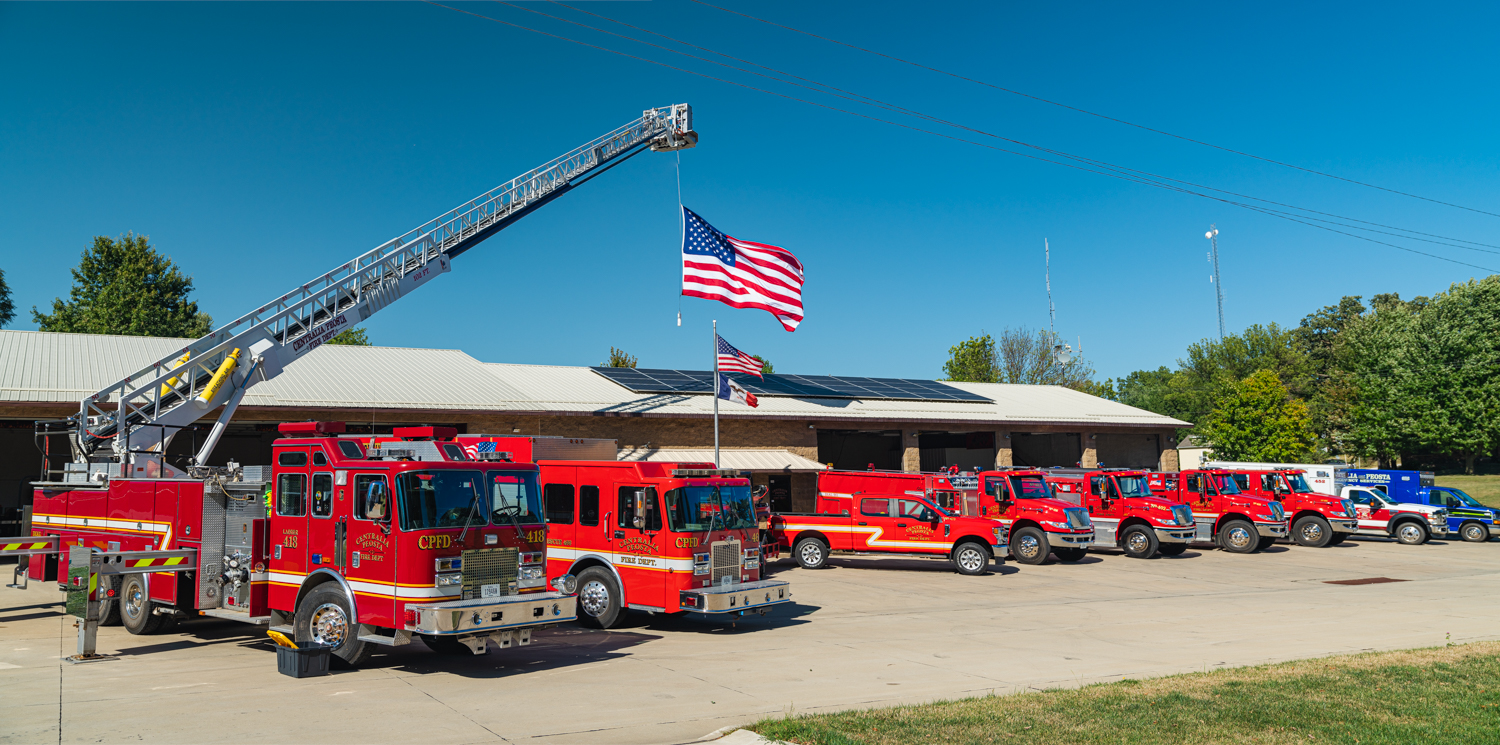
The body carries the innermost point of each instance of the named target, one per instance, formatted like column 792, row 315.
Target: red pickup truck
column 886, row 513
column 1235, row 521
column 1125, row 514
column 1315, row 520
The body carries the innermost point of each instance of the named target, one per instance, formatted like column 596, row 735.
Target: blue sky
column 262, row 144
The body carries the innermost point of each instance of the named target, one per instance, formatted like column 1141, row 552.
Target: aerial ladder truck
column 317, row 544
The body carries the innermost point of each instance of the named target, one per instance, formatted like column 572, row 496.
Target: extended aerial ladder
column 151, row 405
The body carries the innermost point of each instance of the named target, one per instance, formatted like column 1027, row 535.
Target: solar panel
column 799, row 386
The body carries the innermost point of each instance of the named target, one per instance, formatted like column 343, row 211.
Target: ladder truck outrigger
column 333, row 543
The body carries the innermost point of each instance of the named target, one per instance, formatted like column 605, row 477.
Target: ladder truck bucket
column 679, row 134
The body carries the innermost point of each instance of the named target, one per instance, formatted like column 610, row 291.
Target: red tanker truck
column 1039, row 524
column 1233, row 520
column 1314, row 519
column 1125, row 513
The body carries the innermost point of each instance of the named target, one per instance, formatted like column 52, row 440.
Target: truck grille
column 724, row 560
column 490, row 566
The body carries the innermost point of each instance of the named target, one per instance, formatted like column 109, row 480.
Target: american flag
column 733, row 360
column 739, row 273
column 474, row 450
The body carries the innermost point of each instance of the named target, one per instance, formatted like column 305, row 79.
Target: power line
column 1124, row 177
column 1095, row 114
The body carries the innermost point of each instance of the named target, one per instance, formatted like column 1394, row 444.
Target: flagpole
column 716, row 393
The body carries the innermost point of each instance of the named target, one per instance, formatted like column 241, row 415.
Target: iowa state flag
column 732, row 391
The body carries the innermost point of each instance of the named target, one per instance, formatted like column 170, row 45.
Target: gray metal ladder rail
column 140, row 399
column 22, row 546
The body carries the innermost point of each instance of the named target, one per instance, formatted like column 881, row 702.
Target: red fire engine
column 1039, row 523
column 1235, row 521
column 648, row 536
column 1125, row 514
column 1314, row 519
column 890, row 513
column 363, row 546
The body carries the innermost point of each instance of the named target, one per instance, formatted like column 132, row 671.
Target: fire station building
column 802, row 424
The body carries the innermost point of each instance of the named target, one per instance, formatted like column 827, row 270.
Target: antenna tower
column 1213, row 236
column 1051, row 311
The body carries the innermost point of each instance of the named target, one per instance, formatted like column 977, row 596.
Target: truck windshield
column 1030, row 487
column 1224, row 484
column 691, row 509
column 1133, row 486
column 1298, row 484
column 439, row 499
column 514, row 496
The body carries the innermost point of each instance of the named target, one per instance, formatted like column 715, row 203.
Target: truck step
column 235, row 615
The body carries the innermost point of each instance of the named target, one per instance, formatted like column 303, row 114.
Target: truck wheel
column 137, row 612
column 1339, row 538
column 109, row 607
column 1029, row 546
column 1266, row 541
column 1139, row 543
column 811, row 553
column 599, row 599
column 1411, row 533
column 1312, row 531
column 325, row 617
column 1474, row 533
column 1239, row 537
column 971, row 559
column 1070, row 555
column 1171, row 549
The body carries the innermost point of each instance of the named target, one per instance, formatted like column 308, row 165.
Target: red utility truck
column 1125, row 513
column 1039, row 524
column 881, row 512
column 1314, row 519
column 649, row 536
column 1233, row 520
column 333, row 544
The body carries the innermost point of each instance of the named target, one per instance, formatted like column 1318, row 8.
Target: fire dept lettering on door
column 434, row 541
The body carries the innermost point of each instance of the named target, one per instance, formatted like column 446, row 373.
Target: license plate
column 489, row 591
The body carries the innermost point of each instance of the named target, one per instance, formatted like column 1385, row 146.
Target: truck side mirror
column 639, row 521
column 375, row 502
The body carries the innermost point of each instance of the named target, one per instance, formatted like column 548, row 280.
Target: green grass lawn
column 1442, row 695
column 1483, row 488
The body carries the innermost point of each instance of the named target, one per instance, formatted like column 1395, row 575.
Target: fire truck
column 1233, row 520
column 1039, row 523
column 1315, row 520
column 1125, row 513
column 334, row 543
column 646, row 536
column 882, row 512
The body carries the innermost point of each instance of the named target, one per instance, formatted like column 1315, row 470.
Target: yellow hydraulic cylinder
column 171, row 383
column 217, row 381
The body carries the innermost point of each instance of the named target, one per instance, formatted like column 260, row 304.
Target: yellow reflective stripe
column 177, row 560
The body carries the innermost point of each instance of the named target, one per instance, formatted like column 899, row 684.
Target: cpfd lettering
column 435, row 541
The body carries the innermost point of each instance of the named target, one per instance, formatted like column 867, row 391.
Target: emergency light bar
column 504, row 455
column 393, row 453
column 692, row 472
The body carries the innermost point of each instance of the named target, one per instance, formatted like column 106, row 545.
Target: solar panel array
column 800, row 386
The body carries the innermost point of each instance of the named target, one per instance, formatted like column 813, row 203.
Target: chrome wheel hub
column 1313, row 532
column 329, row 625
column 133, row 603
column 971, row 559
column 1475, row 533
column 594, row 598
column 1239, row 537
column 1136, row 542
column 1028, row 546
column 812, row 554
column 1410, row 533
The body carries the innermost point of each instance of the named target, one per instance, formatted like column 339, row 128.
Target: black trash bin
column 304, row 662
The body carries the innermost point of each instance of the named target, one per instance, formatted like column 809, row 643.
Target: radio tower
column 1051, row 312
column 1213, row 236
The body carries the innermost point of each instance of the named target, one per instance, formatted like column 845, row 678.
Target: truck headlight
column 449, row 580
column 532, row 557
column 1000, row 534
column 1059, row 526
column 700, row 563
column 530, row 573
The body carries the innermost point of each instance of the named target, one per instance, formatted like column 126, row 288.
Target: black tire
column 325, row 616
column 1171, row 549
column 1139, row 542
column 1029, row 546
column 109, row 607
column 1312, row 531
column 1338, row 538
column 599, row 603
column 1239, row 537
column 137, row 612
column 1266, row 541
column 1411, row 533
column 1070, row 555
column 811, row 553
column 1474, row 532
column 971, row 558
column 446, row 645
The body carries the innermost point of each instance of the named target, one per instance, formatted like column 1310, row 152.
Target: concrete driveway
column 865, row 632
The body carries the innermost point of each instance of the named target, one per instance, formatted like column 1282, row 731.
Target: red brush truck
column 878, row 512
column 1314, row 519
column 1039, row 524
column 332, row 543
column 1234, row 521
column 1125, row 513
column 649, row 536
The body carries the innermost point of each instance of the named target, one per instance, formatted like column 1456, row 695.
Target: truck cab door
column 362, row 511
column 637, row 546
column 997, row 498
column 289, row 536
column 325, row 537
column 921, row 524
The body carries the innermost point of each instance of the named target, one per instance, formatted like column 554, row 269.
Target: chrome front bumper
column 1175, row 535
column 736, row 598
column 1344, row 526
column 1271, row 530
column 1070, row 540
column 484, row 615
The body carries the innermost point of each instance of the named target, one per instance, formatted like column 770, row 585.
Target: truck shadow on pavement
column 885, row 563
column 780, row 617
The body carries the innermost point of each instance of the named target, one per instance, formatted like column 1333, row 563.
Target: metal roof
column 743, row 459
column 42, row 367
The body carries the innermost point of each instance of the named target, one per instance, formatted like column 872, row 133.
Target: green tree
column 7, row 308
column 766, row 368
column 618, row 358
column 972, row 361
column 1258, row 419
column 123, row 286
column 351, row 337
